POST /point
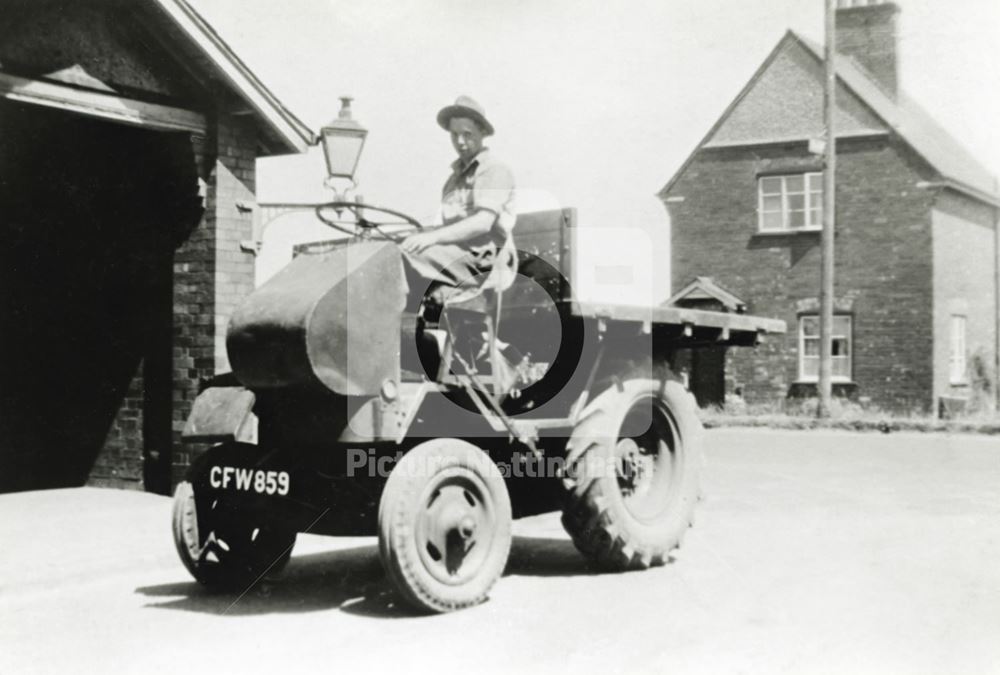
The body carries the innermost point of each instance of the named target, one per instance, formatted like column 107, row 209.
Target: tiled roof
column 918, row 128
column 705, row 288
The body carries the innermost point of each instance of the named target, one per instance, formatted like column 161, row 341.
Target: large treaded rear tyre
column 632, row 474
column 444, row 525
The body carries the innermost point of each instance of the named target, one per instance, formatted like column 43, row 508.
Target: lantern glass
column 342, row 148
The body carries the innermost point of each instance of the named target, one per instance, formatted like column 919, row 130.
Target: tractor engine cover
column 331, row 318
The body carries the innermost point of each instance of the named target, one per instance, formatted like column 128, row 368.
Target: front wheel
column 632, row 474
column 444, row 525
column 223, row 546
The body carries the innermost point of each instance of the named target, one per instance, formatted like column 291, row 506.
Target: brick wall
column 883, row 263
column 120, row 462
column 964, row 284
column 211, row 273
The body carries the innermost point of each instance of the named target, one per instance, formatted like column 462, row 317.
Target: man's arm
column 478, row 224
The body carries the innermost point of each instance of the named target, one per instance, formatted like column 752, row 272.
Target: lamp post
column 342, row 140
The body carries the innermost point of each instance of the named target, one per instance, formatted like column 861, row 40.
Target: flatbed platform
column 689, row 327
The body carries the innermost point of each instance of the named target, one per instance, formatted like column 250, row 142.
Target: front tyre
column 225, row 547
column 632, row 474
column 444, row 525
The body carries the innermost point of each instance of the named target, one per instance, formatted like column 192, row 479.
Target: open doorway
column 90, row 215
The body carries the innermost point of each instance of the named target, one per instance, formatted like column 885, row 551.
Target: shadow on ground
column 351, row 580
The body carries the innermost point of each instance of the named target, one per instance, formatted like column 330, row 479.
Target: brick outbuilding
column 128, row 138
column 916, row 298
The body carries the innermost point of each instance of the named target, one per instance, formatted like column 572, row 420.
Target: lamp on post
column 343, row 138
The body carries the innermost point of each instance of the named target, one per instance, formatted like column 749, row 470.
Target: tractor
column 344, row 414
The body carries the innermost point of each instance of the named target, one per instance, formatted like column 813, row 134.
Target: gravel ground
column 813, row 552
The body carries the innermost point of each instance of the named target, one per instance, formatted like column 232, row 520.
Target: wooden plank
column 99, row 104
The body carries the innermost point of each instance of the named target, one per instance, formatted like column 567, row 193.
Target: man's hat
column 468, row 108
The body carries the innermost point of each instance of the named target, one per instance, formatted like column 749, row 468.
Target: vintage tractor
column 346, row 415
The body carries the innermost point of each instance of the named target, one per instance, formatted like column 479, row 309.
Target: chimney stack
column 866, row 31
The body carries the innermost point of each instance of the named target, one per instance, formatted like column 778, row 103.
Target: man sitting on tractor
column 477, row 208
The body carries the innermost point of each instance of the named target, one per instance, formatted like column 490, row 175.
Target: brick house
column 128, row 138
column 916, row 299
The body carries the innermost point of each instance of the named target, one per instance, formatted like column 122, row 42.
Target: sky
column 596, row 103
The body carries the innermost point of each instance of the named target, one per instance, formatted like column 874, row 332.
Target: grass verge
column 844, row 416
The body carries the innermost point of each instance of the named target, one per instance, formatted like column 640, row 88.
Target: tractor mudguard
column 221, row 414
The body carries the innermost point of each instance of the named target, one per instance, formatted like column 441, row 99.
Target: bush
column 981, row 400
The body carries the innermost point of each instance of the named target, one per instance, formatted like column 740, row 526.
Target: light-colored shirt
column 482, row 184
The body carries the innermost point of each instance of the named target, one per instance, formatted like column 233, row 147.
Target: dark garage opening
column 90, row 214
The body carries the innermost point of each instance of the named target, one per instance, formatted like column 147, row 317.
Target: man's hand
column 416, row 243
column 476, row 225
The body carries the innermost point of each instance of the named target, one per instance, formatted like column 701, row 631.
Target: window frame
column 848, row 335
column 812, row 202
column 958, row 361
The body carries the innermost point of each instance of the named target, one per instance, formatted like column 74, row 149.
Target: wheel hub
column 636, row 468
column 454, row 530
column 644, row 459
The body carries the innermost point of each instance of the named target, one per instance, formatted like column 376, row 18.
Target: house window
column 809, row 348
column 956, row 350
column 790, row 203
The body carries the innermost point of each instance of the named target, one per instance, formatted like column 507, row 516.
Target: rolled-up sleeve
column 493, row 189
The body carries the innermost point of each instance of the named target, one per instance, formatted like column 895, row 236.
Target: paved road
column 814, row 552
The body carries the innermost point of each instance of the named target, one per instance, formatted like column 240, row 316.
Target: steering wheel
column 366, row 226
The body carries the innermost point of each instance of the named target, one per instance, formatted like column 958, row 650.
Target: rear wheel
column 222, row 545
column 444, row 525
column 632, row 474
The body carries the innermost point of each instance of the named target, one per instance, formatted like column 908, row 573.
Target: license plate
column 261, row 481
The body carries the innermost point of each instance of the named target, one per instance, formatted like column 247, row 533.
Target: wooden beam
column 99, row 104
